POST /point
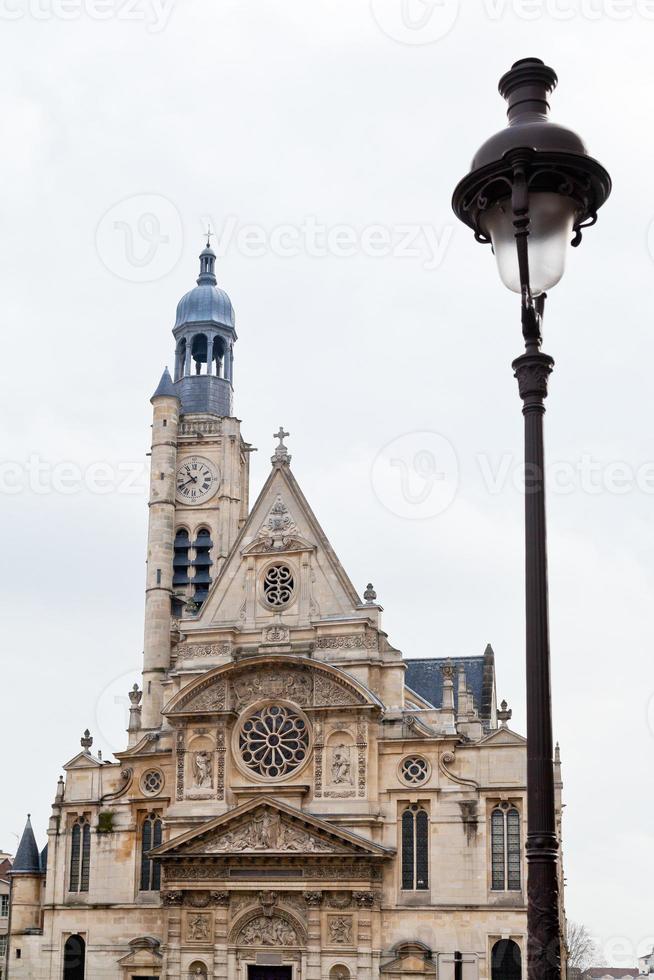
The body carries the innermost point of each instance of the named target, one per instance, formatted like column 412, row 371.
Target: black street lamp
column 531, row 189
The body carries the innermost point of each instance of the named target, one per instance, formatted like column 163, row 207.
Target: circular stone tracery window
column 278, row 585
column 414, row 769
column 152, row 782
column 274, row 741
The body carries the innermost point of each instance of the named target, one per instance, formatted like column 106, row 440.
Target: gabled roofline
column 311, row 821
column 284, row 469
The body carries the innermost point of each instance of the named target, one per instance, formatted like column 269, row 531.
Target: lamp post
column 531, row 190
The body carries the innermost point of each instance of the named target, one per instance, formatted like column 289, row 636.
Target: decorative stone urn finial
column 86, row 741
column 504, row 714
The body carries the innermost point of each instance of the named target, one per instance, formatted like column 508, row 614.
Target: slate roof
column 424, row 675
column 165, row 386
column 205, row 304
column 27, row 860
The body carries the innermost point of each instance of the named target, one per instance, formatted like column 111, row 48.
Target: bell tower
column 199, row 474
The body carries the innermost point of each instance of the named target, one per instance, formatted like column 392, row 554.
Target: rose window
column 274, row 741
column 414, row 769
column 278, row 585
column 152, row 782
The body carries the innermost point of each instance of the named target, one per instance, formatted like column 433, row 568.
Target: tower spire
column 207, row 263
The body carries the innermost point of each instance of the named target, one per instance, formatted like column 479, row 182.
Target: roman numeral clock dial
column 196, row 480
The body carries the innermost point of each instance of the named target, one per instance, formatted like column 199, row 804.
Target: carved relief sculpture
column 266, row 832
column 268, row 931
column 198, row 928
column 340, row 930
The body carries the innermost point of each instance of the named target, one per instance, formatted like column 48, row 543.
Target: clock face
column 196, row 480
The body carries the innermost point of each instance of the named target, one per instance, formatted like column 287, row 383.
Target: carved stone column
column 364, row 901
column 173, row 953
column 314, row 945
column 221, row 915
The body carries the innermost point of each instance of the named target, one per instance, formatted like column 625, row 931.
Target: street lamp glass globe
column 550, row 233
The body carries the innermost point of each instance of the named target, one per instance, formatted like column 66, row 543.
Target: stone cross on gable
column 281, row 454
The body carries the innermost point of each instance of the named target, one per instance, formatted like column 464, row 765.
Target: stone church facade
column 296, row 801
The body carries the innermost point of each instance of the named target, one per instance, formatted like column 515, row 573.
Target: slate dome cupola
column 204, row 332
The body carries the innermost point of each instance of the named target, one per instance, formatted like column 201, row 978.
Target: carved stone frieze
column 313, row 899
column 364, row 900
column 172, row 899
column 348, row 641
column 220, row 751
column 202, row 651
column 276, row 634
column 266, row 831
column 210, row 695
column 179, row 747
column 238, row 689
column 270, row 682
column 268, row 931
column 328, row 691
column 203, row 427
column 362, row 752
column 328, row 870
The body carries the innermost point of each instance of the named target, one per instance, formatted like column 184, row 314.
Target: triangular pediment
column 265, row 827
column 83, row 760
column 503, row 736
column 280, row 525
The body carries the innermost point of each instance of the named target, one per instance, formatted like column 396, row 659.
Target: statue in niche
column 340, row 930
column 198, row 929
column 202, row 766
column 341, row 765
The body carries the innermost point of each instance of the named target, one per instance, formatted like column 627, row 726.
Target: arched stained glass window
column 415, row 849
column 505, row 849
column 150, row 869
column 80, row 856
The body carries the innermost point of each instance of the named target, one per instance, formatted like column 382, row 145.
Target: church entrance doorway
column 270, row 973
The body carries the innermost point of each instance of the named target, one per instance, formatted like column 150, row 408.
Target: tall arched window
column 506, row 961
column 150, row 837
column 202, row 563
column 180, row 558
column 74, row 958
column 505, row 849
column 415, row 849
column 80, row 856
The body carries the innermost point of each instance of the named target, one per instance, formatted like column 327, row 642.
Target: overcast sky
column 323, row 141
